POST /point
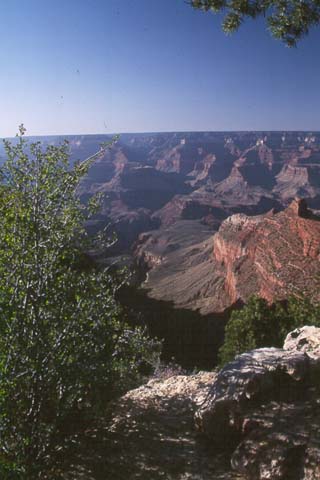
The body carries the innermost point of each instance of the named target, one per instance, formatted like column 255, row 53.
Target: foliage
column 64, row 348
column 301, row 312
column 288, row 20
column 260, row 325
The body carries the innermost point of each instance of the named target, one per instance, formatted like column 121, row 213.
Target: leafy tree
column 288, row 20
column 261, row 325
column 64, row 348
column 301, row 311
column 254, row 326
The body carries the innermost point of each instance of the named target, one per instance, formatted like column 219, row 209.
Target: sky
column 112, row 66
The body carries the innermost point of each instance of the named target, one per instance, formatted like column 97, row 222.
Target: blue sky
column 101, row 66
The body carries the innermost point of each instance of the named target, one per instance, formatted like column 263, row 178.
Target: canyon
column 166, row 195
column 273, row 256
column 203, row 221
column 207, row 219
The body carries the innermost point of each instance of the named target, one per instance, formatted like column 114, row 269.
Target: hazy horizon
column 162, row 132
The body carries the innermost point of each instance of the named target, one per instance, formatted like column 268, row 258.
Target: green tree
column 254, row 326
column 288, row 20
column 64, row 348
column 261, row 325
column 301, row 311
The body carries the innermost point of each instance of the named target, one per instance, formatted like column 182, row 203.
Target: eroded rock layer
column 274, row 255
column 154, row 180
column 151, row 435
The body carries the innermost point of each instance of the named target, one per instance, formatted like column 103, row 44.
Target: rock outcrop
column 305, row 339
column 151, row 434
column 259, row 419
column 265, row 407
column 273, row 255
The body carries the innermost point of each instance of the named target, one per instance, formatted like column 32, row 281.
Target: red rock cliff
column 272, row 255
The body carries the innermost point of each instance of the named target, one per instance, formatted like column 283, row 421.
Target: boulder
column 280, row 442
column 305, row 339
column 253, row 377
column 265, row 407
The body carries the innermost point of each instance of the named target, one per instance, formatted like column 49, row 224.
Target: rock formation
column 179, row 176
column 273, row 255
column 177, row 189
column 257, row 419
column 305, row 339
column 151, row 435
column 264, row 406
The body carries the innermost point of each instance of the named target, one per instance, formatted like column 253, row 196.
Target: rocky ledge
column 256, row 419
column 151, row 434
column 265, row 407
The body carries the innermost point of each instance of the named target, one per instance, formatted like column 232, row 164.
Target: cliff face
column 273, row 255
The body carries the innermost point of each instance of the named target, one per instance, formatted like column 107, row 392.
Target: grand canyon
column 160, row 240
column 202, row 222
column 205, row 220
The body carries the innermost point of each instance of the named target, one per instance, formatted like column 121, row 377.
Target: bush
column 261, row 325
column 64, row 348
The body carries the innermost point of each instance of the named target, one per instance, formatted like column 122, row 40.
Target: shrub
column 261, row 325
column 64, row 348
